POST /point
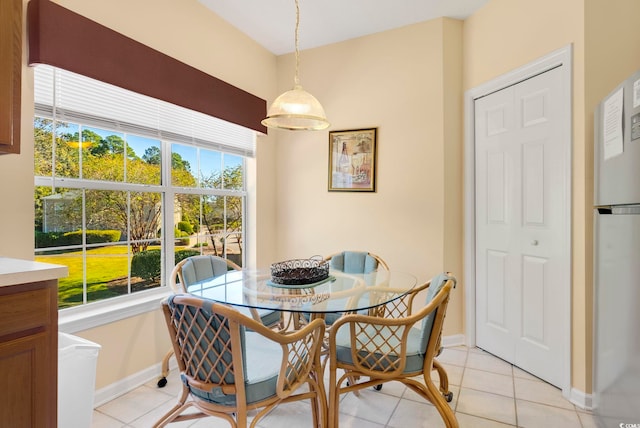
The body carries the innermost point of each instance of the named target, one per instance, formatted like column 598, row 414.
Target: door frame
column 561, row 57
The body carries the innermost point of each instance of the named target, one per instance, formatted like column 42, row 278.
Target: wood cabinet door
column 25, row 380
column 10, row 74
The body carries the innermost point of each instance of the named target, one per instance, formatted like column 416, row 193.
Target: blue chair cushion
column 197, row 268
column 263, row 358
column 337, row 262
column 436, row 285
column 370, row 264
column 354, row 262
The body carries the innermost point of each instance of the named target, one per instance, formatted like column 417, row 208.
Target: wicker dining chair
column 403, row 307
column 352, row 262
column 231, row 364
column 197, row 268
column 393, row 344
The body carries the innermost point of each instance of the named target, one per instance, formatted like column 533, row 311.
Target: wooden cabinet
column 29, row 354
column 10, row 74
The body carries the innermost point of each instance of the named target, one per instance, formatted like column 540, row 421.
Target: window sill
column 108, row 311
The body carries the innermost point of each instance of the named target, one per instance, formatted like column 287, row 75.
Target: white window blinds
column 79, row 99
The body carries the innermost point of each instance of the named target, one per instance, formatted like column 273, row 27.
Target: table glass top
column 341, row 292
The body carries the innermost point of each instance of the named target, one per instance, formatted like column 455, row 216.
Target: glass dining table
column 339, row 293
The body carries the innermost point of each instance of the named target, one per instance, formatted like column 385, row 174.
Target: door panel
column 520, row 186
column 496, row 265
column 533, row 294
column 533, row 183
column 496, row 187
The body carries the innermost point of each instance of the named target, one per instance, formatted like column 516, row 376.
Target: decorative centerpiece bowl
column 300, row 271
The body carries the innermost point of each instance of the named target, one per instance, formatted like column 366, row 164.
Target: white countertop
column 18, row 271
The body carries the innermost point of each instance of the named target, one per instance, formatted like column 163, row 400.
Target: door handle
column 534, row 242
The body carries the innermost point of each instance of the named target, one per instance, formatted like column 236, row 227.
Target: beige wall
column 398, row 81
column 453, row 209
column 129, row 346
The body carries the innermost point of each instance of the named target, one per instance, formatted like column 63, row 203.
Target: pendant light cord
column 296, row 109
column 296, row 79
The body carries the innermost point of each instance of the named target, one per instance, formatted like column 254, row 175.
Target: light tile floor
column 488, row 392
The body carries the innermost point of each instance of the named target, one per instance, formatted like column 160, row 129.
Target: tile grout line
column 395, row 408
column 464, row 368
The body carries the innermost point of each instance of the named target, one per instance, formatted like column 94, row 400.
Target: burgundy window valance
column 65, row 39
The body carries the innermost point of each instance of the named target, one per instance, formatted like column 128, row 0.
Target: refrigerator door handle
column 625, row 209
column 619, row 209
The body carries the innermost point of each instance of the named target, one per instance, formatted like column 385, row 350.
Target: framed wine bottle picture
column 352, row 160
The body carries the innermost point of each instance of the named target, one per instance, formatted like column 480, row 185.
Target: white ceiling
column 272, row 22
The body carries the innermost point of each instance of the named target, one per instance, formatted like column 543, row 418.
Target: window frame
column 109, row 310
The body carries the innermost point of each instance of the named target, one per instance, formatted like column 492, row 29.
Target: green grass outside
column 107, row 272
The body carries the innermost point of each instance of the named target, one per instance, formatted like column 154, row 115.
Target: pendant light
column 296, row 110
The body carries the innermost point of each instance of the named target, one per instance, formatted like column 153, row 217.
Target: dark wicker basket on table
column 299, row 271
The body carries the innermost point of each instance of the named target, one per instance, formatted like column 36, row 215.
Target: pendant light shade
column 296, row 110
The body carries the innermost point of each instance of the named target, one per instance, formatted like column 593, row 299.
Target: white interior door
column 522, row 181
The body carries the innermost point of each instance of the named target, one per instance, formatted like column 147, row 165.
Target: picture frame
column 353, row 160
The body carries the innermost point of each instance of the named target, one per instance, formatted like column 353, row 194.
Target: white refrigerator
column 616, row 298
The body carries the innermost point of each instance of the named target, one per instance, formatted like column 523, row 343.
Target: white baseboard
column 453, row 340
column 581, row 399
column 129, row 383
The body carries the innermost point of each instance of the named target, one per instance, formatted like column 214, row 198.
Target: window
column 126, row 186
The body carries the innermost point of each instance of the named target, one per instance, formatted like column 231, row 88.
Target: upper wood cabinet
column 10, row 74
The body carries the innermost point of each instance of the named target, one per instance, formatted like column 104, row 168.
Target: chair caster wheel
column 448, row 397
column 378, row 387
column 162, row 382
